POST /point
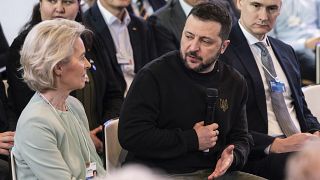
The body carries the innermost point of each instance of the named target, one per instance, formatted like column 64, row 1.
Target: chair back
column 114, row 154
column 312, row 96
column 13, row 166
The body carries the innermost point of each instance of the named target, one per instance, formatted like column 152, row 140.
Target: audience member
column 305, row 164
column 162, row 119
column 297, row 26
column 19, row 93
column 278, row 117
column 3, row 49
column 124, row 39
column 6, row 135
column 52, row 138
column 168, row 23
column 101, row 97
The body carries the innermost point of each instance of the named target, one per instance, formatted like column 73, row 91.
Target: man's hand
column 317, row 133
column 6, row 142
column 207, row 135
column 96, row 141
column 292, row 143
column 223, row 163
column 311, row 42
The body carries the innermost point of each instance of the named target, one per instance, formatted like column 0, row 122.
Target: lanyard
column 273, row 77
column 56, row 112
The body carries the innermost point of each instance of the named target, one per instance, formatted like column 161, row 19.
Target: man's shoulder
column 165, row 61
column 166, row 11
column 278, row 42
column 91, row 11
column 231, row 72
column 137, row 21
column 93, row 18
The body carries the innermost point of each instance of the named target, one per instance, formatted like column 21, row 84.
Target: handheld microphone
column 212, row 97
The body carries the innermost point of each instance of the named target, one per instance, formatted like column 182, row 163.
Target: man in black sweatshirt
column 162, row 119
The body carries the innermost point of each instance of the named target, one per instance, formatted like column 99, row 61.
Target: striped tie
column 278, row 103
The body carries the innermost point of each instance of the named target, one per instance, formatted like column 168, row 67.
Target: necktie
column 277, row 99
column 141, row 8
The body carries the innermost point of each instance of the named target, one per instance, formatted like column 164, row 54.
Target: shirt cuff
column 267, row 149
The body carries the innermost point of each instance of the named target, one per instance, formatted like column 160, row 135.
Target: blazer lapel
column 285, row 63
column 135, row 39
column 245, row 56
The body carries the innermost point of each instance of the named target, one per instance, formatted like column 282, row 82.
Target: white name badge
column 123, row 59
column 91, row 170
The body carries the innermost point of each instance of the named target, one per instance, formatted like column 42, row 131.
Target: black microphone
column 212, row 97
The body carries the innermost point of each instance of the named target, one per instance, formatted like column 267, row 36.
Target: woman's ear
column 58, row 69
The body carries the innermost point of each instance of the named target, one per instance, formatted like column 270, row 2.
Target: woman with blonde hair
column 101, row 97
column 52, row 139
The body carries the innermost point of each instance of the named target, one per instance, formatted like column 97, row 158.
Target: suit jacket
column 157, row 4
column 141, row 39
column 167, row 24
column 239, row 55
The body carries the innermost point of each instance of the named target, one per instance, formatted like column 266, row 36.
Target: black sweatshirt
column 163, row 104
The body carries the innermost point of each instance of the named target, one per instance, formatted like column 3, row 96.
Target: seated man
column 163, row 121
column 125, row 40
column 278, row 117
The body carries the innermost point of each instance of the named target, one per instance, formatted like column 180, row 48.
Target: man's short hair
column 214, row 11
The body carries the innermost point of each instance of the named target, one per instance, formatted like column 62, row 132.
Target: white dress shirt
column 121, row 39
column 273, row 125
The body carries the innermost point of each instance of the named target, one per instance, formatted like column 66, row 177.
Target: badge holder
column 91, row 170
column 277, row 86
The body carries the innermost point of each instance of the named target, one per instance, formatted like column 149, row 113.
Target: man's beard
column 202, row 67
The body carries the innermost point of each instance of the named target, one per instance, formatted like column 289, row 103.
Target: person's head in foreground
column 135, row 172
column 305, row 164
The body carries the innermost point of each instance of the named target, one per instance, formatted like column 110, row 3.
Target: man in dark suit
column 168, row 23
column 266, row 84
column 126, row 39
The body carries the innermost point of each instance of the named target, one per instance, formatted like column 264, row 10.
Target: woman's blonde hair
column 47, row 44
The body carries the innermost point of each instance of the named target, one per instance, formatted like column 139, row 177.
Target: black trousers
column 4, row 170
column 270, row 167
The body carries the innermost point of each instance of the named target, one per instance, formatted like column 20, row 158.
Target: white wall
column 13, row 15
